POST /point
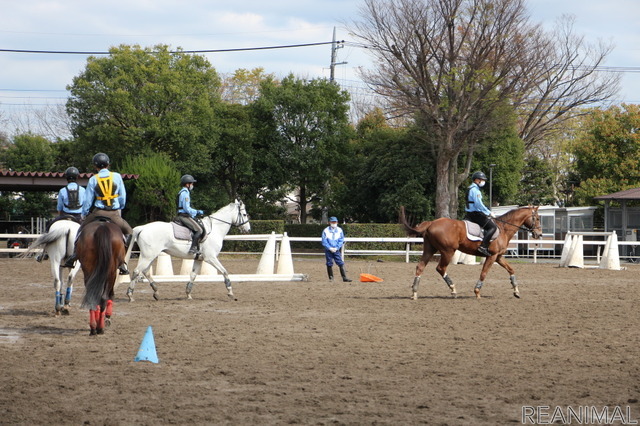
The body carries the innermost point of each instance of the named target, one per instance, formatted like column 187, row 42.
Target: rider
column 106, row 196
column 70, row 199
column 478, row 213
column 186, row 214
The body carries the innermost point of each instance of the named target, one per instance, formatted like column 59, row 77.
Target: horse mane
column 508, row 215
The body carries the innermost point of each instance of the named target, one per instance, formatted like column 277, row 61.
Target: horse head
column 242, row 218
column 533, row 223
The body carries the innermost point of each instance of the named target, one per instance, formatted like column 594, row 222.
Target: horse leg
column 512, row 276
column 445, row 259
column 57, row 285
column 66, row 310
column 93, row 322
column 142, row 271
column 488, row 262
column 100, row 318
column 195, row 270
column 227, row 281
column 108, row 312
column 427, row 254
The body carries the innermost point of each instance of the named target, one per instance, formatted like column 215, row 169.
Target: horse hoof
column 189, row 297
column 156, row 296
column 414, row 296
column 107, row 322
column 100, row 331
column 93, row 332
column 517, row 295
column 477, row 292
column 232, row 297
column 65, row 311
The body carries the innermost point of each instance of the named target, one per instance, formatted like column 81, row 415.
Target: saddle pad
column 181, row 232
column 474, row 233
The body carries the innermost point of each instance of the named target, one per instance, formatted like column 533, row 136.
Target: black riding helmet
column 101, row 160
column 187, row 179
column 478, row 175
column 71, row 174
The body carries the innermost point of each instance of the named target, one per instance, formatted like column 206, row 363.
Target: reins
column 522, row 228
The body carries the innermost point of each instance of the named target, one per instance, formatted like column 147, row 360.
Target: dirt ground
column 325, row 353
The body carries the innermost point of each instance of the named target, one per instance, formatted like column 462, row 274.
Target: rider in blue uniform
column 186, row 214
column 333, row 240
column 478, row 213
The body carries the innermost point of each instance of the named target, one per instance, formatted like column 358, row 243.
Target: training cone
column 368, row 278
column 268, row 259
column 147, row 351
column 285, row 260
column 163, row 265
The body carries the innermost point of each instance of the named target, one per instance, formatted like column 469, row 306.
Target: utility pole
column 335, row 45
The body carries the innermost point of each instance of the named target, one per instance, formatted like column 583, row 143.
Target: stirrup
column 484, row 251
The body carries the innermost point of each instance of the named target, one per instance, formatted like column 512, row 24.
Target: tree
column 452, row 63
column 139, row 99
column 607, row 153
column 243, row 86
column 154, row 191
column 304, row 125
column 28, row 153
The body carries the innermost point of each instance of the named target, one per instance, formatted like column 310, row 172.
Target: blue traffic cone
column 147, row 351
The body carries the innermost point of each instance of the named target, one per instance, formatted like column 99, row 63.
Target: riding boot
column 330, row 273
column 484, row 249
column 123, row 268
column 344, row 275
column 71, row 261
column 194, row 247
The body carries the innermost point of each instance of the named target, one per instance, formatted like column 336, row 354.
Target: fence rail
column 533, row 248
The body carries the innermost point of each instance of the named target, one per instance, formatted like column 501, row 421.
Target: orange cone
column 368, row 278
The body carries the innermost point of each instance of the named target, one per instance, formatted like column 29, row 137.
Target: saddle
column 181, row 232
column 475, row 233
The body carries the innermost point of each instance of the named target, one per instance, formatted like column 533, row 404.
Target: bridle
column 239, row 219
column 534, row 215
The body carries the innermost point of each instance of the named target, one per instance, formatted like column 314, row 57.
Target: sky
column 30, row 81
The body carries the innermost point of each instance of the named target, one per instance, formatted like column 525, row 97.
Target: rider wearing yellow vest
column 105, row 196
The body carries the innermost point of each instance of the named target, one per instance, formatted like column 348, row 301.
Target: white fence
column 535, row 249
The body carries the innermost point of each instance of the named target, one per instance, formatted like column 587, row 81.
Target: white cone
column 285, row 260
column 566, row 248
column 611, row 255
column 468, row 259
column 268, row 259
column 576, row 257
column 456, row 257
column 163, row 265
column 208, row 269
column 187, row 266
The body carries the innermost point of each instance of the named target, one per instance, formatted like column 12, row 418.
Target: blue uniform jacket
column 63, row 198
column 332, row 237
column 474, row 198
column 91, row 199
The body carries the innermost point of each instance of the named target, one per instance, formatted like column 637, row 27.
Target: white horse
column 58, row 244
column 156, row 237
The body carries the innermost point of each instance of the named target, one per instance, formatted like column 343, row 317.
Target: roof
column 42, row 181
column 627, row 194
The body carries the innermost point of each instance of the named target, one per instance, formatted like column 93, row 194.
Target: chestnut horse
column 448, row 235
column 100, row 249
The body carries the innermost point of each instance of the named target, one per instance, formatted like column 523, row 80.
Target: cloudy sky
column 29, row 80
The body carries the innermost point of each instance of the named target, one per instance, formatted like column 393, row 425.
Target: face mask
column 481, row 184
column 334, row 225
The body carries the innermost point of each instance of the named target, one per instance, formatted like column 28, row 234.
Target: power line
column 239, row 49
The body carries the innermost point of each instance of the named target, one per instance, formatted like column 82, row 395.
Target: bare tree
column 452, row 64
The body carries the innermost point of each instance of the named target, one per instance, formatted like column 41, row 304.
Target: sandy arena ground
column 326, row 353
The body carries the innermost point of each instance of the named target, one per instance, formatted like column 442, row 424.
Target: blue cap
column 333, row 219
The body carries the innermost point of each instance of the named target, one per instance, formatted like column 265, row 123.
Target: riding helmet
column 187, row 179
column 478, row 175
column 71, row 174
column 101, row 160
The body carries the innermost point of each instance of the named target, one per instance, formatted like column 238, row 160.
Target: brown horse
column 100, row 249
column 448, row 235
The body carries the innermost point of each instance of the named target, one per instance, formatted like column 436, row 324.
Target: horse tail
column 100, row 282
column 134, row 238
column 46, row 239
column 418, row 230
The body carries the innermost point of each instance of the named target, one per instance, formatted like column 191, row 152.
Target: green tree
column 152, row 196
column 28, row 153
column 138, row 100
column 607, row 152
column 304, row 126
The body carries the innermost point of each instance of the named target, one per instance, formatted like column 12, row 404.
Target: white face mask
column 481, row 184
column 334, row 225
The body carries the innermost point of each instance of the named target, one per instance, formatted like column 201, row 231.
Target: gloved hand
column 492, row 215
column 333, row 249
column 200, row 213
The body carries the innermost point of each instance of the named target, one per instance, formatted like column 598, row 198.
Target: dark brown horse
column 446, row 235
column 100, row 249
